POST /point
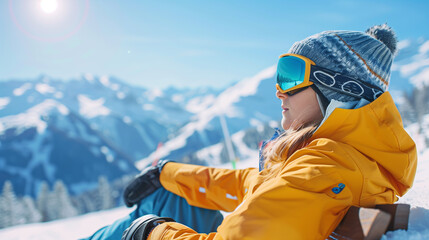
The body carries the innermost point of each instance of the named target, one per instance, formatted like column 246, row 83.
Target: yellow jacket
column 357, row 157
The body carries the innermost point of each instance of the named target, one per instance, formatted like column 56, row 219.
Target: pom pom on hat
column 384, row 34
column 367, row 56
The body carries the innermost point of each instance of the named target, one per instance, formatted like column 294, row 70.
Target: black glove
column 142, row 226
column 143, row 184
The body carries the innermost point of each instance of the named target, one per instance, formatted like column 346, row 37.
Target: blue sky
column 183, row 43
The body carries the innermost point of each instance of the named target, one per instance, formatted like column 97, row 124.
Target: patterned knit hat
column 367, row 56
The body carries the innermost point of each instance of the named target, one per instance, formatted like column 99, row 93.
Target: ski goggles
column 296, row 72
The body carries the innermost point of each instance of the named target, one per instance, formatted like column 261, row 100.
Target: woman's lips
column 285, row 108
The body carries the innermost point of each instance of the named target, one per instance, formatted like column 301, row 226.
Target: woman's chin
column 285, row 125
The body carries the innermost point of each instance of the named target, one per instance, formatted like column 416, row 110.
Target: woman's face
column 299, row 109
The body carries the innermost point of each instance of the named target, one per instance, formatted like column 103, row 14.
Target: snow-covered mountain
column 49, row 142
column 109, row 105
column 249, row 103
column 78, row 130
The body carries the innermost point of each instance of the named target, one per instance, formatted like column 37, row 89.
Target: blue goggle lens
column 290, row 72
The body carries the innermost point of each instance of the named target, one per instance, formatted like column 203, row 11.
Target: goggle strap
column 344, row 84
column 324, row 100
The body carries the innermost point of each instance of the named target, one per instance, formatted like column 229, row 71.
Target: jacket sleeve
column 306, row 200
column 207, row 187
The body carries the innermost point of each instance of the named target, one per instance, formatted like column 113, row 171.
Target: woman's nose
column 281, row 95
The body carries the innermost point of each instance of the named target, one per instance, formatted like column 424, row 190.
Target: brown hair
column 279, row 150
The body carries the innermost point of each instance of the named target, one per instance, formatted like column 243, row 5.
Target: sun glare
column 49, row 6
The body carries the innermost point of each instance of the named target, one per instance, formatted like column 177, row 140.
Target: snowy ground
column 85, row 225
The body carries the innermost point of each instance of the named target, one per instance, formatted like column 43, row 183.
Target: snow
column 106, row 151
column 223, row 104
column 127, row 120
column 21, row 90
column 89, row 77
column 154, row 93
column 273, row 124
column 4, row 102
column 92, row 108
column 35, row 117
column 47, row 106
column 148, row 107
column 419, row 193
column 114, row 86
column 105, row 81
column 120, row 95
column 242, row 149
column 258, row 124
column 59, row 95
column 177, row 98
column 32, row 117
column 198, row 104
column 211, row 154
column 44, row 88
column 70, row 228
column 21, row 122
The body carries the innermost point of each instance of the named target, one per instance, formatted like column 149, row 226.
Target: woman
column 343, row 145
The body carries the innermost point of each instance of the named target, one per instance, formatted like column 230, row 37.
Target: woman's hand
column 143, row 184
column 142, row 226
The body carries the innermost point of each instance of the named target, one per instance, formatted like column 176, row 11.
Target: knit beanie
column 366, row 56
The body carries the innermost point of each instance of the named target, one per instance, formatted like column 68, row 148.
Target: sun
column 49, row 6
